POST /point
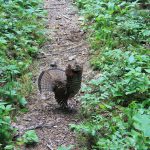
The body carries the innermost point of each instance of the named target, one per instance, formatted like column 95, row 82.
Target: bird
column 64, row 83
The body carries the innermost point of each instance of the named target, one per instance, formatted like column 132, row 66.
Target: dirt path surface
column 67, row 44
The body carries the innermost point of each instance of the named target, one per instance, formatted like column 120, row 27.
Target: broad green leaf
column 142, row 123
column 131, row 59
column 22, row 101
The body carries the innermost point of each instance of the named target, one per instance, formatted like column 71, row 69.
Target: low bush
column 5, row 126
column 30, row 137
column 21, row 35
column 115, row 106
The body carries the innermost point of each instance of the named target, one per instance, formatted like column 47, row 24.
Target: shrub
column 30, row 137
column 115, row 106
column 6, row 131
column 21, row 35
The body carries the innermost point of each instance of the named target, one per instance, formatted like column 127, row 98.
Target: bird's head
column 74, row 68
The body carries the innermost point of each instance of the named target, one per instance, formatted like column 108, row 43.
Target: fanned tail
column 45, row 82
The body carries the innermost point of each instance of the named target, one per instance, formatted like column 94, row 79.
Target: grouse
column 64, row 83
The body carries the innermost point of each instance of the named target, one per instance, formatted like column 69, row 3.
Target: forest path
column 67, row 43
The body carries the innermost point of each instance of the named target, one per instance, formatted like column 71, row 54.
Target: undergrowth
column 116, row 104
column 21, row 35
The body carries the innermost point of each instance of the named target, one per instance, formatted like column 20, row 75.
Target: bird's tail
column 45, row 82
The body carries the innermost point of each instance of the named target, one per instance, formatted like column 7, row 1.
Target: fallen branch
column 41, row 125
column 76, row 46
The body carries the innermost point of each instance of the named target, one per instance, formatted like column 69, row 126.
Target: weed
column 115, row 106
column 21, row 35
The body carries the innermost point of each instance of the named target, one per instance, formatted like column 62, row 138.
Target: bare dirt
column 67, row 43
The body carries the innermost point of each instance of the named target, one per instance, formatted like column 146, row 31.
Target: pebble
column 58, row 18
column 72, row 57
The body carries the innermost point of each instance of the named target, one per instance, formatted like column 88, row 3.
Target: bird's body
column 64, row 83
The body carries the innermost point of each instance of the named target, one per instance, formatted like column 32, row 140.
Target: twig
column 49, row 125
column 59, row 4
column 35, row 127
column 41, row 125
column 66, row 17
column 51, row 8
column 74, row 47
column 49, row 146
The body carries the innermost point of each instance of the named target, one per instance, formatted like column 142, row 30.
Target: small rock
column 83, row 53
column 61, row 24
column 72, row 57
column 58, row 18
column 81, row 18
column 57, row 27
column 41, row 55
column 27, row 119
column 72, row 13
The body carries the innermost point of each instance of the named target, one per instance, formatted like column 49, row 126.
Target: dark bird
column 64, row 83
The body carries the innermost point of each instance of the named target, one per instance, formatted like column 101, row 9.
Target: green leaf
column 9, row 147
column 147, row 70
column 70, row 147
column 7, row 119
column 22, row 101
column 8, row 108
column 142, row 123
column 131, row 59
column 30, row 137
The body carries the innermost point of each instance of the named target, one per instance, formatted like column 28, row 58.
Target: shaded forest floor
column 67, row 43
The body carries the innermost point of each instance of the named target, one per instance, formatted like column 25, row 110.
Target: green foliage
column 125, row 76
column 110, row 126
column 65, row 148
column 115, row 106
column 30, row 137
column 115, row 24
column 21, row 35
column 6, row 131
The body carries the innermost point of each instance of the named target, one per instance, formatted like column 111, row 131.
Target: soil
column 66, row 44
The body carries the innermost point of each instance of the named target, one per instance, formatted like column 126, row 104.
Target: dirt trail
column 67, row 43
